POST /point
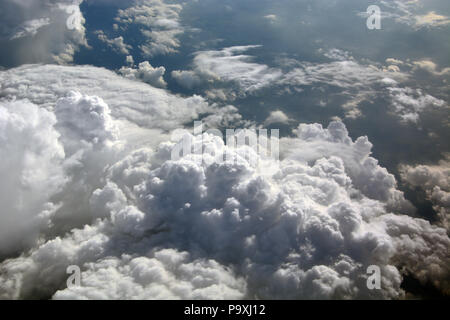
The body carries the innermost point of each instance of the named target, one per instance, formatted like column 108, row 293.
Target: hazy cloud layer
column 131, row 100
column 158, row 22
column 37, row 31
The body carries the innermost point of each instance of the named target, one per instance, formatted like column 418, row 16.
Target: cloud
column 84, row 119
column 30, row 28
column 421, row 65
column 37, row 31
column 410, row 103
column 235, row 74
column 430, row 67
column 187, row 79
column 371, row 179
column 277, row 116
column 271, row 18
column 117, row 43
column 146, row 73
column 435, row 181
column 357, row 81
column 129, row 60
column 408, row 12
column 431, row 19
column 338, row 55
column 31, row 170
column 90, row 134
column 221, row 94
column 136, row 102
column 393, row 61
column 166, row 274
column 342, row 73
column 305, row 227
column 230, row 65
column 159, row 23
column 89, row 181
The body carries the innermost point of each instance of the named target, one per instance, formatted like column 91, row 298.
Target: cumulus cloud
column 304, row 227
column 146, row 73
column 89, row 136
column 166, row 274
column 84, row 119
column 38, row 31
column 371, row 179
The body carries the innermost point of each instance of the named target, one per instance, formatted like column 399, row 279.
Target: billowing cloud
column 146, row 73
column 82, row 140
column 165, row 274
column 371, row 179
column 304, row 227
